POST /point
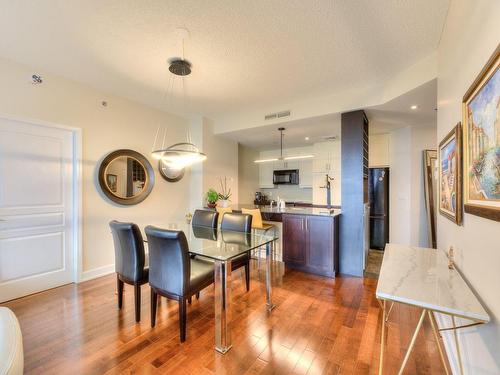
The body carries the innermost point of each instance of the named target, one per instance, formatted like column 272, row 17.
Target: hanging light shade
column 180, row 155
column 184, row 154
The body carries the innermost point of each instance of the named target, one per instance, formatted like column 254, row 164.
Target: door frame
column 77, row 218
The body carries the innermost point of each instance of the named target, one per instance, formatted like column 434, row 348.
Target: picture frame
column 481, row 120
column 450, row 175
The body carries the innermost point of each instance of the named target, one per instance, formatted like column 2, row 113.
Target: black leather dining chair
column 130, row 261
column 235, row 222
column 205, row 218
column 173, row 274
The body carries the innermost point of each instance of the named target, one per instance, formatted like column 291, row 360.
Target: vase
column 223, row 203
column 212, row 205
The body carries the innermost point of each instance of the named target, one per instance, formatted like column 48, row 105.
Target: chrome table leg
column 222, row 306
column 269, row 253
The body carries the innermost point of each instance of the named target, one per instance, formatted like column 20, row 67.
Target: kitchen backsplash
column 289, row 193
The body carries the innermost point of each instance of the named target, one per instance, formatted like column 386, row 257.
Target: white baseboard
column 97, row 272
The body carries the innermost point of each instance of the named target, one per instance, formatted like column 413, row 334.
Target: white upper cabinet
column 266, row 175
column 286, row 164
column 327, row 157
column 266, row 170
column 305, row 173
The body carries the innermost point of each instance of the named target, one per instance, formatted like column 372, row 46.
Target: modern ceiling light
column 414, row 106
column 183, row 154
column 281, row 157
column 306, row 138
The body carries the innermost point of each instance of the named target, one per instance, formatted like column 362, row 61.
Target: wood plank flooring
column 320, row 326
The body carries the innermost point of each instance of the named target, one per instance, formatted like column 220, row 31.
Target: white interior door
column 36, row 208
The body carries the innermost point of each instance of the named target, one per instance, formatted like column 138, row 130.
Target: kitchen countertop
column 291, row 210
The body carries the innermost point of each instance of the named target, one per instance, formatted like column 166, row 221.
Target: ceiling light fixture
column 281, row 157
column 414, row 106
column 183, row 154
column 306, row 138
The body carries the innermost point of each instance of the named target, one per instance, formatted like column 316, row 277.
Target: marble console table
column 420, row 277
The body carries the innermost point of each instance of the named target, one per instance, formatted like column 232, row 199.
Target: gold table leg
column 438, row 342
column 412, row 342
column 459, row 356
column 382, row 341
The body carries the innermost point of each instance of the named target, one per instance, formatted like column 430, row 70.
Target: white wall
column 248, row 174
column 222, row 162
column 407, row 215
column 400, row 186
column 122, row 124
column 470, row 36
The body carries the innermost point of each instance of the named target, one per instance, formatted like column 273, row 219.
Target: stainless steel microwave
column 286, row 177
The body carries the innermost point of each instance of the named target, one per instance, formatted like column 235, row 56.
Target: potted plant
column 212, row 197
column 224, row 193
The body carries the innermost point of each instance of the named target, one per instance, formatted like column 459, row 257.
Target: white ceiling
column 384, row 118
column 245, row 54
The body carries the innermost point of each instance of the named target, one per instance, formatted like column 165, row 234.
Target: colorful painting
column 450, row 182
column 482, row 137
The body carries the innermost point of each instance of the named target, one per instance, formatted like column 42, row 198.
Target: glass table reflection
column 221, row 247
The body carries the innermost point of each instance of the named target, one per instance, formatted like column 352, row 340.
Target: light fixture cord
column 281, row 143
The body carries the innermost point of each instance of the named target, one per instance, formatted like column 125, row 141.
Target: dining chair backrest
column 236, row 222
column 256, row 216
column 222, row 211
column 205, row 233
column 169, row 262
column 205, row 218
column 129, row 250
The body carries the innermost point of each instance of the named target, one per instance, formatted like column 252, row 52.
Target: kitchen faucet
column 328, row 191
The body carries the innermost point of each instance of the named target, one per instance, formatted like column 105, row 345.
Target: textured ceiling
column 384, row 118
column 245, row 54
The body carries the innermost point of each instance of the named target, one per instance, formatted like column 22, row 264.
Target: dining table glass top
column 221, row 245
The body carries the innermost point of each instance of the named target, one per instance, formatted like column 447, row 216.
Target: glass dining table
column 222, row 246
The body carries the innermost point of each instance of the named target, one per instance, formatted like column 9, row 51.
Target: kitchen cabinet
column 266, row 175
column 305, row 173
column 284, row 164
column 310, row 243
column 294, row 239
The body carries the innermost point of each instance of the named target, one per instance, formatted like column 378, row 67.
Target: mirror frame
column 428, row 157
column 148, row 186
column 168, row 178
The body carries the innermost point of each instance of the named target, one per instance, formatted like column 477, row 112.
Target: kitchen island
column 310, row 237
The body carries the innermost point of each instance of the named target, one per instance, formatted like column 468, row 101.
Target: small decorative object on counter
column 451, row 262
column 224, row 193
column 212, row 197
column 189, row 217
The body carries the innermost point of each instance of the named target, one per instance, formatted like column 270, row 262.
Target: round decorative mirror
column 126, row 177
column 168, row 173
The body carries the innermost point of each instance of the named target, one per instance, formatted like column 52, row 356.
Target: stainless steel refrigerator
column 378, row 195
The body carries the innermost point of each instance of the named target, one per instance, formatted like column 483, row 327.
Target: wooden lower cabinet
column 310, row 243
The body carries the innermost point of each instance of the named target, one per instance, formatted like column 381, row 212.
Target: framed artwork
column 111, row 181
column 481, row 118
column 450, row 175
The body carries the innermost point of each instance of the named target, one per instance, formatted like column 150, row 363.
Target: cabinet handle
column 306, row 224
column 302, row 224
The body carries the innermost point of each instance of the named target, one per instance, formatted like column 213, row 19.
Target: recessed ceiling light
column 414, row 106
column 306, row 138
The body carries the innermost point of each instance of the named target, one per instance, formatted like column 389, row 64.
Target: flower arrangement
column 224, row 193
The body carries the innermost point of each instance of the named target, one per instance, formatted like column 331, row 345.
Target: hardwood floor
column 320, row 326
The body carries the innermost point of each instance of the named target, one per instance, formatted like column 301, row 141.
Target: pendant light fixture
column 183, row 154
column 281, row 157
